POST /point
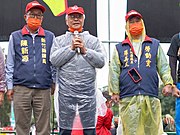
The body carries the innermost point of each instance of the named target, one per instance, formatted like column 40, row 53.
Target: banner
column 12, row 15
column 57, row 7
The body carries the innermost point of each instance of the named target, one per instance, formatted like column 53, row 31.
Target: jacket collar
column 127, row 41
column 25, row 31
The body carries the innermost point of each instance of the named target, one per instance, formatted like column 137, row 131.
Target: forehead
column 35, row 10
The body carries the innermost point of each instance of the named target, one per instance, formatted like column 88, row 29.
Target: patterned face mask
column 136, row 28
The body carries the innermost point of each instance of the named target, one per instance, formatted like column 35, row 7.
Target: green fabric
column 114, row 73
column 163, row 67
column 141, row 115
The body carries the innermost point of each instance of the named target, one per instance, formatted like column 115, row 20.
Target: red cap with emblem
column 132, row 13
column 35, row 4
column 75, row 9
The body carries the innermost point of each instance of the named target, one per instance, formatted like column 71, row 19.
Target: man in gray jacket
column 77, row 54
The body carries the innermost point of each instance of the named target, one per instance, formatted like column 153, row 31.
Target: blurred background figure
column 174, row 57
column 104, row 123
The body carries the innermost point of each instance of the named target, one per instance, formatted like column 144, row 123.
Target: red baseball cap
column 35, row 4
column 75, row 9
column 132, row 13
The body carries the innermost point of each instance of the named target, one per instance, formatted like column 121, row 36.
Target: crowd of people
column 39, row 64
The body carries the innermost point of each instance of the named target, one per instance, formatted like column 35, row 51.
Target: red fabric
column 77, row 132
column 104, row 123
column 127, row 41
column 26, row 32
column 77, row 125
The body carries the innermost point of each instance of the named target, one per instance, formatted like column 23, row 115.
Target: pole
column 109, row 30
column 53, row 115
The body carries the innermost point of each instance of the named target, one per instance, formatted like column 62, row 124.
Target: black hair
column 106, row 95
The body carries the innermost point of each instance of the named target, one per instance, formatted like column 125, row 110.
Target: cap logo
column 75, row 8
column 35, row 4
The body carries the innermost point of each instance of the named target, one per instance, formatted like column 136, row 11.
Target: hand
column 167, row 90
column 10, row 94
column 1, row 98
column 78, row 43
column 52, row 88
column 168, row 119
column 175, row 91
column 115, row 98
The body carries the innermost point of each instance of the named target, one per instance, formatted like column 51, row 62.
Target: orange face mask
column 34, row 23
column 136, row 29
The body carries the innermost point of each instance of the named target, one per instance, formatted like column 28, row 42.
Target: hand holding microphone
column 76, row 35
column 78, row 44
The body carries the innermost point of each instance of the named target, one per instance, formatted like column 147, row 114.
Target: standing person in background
column 174, row 57
column 77, row 54
column 2, row 77
column 133, row 79
column 28, row 72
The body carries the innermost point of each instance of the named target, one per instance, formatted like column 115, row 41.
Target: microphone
column 76, row 34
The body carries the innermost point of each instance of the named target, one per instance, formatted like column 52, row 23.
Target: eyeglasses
column 73, row 16
column 38, row 16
